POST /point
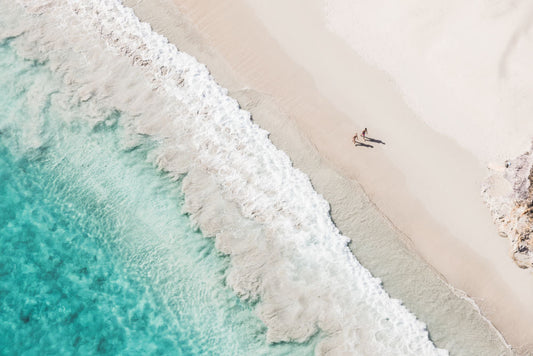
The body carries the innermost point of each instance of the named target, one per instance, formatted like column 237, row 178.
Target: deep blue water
column 96, row 255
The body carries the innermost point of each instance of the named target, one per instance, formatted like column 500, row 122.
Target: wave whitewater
column 286, row 254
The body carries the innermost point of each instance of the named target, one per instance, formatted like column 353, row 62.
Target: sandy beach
column 312, row 91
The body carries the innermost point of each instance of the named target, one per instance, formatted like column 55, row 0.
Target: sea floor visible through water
column 96, row 254
column 99, row 257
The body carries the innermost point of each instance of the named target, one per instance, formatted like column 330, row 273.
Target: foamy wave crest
column 286, row 254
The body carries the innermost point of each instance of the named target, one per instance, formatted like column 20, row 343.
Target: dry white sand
column 423, row 181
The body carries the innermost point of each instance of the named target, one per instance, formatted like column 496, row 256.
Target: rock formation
column 509, row 194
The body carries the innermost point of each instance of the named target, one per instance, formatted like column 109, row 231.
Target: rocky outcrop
column 508, row 192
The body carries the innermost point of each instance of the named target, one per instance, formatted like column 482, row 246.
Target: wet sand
column 306, row 87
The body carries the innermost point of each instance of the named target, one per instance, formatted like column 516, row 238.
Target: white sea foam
column 285, row 251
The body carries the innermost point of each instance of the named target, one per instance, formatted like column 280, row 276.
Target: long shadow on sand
column 364, row 145
column 375, row 140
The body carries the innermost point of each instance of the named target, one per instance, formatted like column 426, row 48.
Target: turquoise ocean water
column 96, row 255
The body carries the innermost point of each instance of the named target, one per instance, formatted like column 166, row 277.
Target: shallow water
column 93, row 118
column 96, row 255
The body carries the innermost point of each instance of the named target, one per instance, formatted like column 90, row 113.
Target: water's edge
column 285, row 253
column 344, row 197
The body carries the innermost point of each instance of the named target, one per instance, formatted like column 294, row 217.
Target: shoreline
column 252, row 75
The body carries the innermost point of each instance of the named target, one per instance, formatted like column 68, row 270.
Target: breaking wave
column 286, row 254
